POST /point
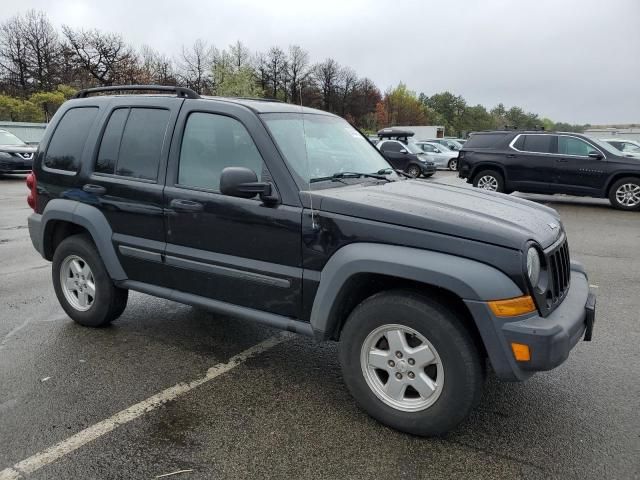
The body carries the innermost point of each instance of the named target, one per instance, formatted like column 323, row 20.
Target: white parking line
column 51, row 454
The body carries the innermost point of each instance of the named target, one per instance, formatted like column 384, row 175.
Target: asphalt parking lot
column 283, row 412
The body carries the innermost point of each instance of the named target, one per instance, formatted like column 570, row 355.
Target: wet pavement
column 284, row 413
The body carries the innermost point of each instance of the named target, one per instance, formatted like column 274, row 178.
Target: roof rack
column 181, row 92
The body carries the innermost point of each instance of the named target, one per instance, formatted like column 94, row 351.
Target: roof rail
column 181, row 92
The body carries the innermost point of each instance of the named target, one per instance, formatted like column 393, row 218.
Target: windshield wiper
column 387, row 171
column 340, row 175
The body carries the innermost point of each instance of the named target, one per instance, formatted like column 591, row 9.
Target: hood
column 459, row 211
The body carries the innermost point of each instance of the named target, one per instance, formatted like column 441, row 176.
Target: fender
column 91, row 219
column 469, row 279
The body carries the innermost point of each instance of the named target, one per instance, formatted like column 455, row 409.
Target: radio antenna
column 306, row 157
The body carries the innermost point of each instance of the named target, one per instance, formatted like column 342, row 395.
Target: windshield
column 332, row 146
column 443, row 147
column 7, row 138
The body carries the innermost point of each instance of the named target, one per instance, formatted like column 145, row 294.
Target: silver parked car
column 440, row 155
column 629, row 148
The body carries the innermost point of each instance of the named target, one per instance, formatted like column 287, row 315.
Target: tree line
column 41, row 67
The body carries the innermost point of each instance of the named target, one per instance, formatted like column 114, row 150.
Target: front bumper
column 428, row 168
column 16, row 166
column 550, row 339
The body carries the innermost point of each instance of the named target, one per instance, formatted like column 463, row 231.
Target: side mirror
column 243, row 182
column 595, row 155
column 403, row 150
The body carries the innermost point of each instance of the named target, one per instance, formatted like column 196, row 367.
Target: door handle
column 94, row 189
column 511, row 155
column 180, row 205
column 562, row 160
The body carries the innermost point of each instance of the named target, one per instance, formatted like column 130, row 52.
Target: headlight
column 5, row 155
column 533, row 266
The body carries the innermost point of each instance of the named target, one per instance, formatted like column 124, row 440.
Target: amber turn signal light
column 521, row 352
column 512, row 306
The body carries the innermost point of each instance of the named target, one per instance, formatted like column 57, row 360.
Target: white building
column 631, row 133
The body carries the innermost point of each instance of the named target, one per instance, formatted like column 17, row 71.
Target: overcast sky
column 576, row 61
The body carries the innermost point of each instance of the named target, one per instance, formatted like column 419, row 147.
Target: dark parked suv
column 288, row 216
column 550, row 162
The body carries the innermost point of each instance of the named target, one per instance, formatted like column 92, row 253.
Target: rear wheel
column 413, row 170
column 82, row 284
column 489, row 180
column 624, row 194
column 453, row 164
column 410, row 363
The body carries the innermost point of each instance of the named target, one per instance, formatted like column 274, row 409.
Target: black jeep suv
column 550, row 162
column 288, row 216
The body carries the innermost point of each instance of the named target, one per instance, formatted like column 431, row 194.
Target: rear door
column 127, row 180
column 236, row 250
column 578, row 173
column 530, row 163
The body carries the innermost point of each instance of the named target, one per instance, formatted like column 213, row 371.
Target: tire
column 489, row 180
column 413, row 170
column 457, row 374
column 77, row 261
column 453, row 164
column 624, row 194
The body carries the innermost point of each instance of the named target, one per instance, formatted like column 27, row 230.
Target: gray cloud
column 574, row 60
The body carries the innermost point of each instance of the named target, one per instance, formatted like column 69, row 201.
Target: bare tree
column 239, row 54
column 195, row 66
column 156, row 68
column 43, row 50
column 348, row 83
column 104, row 56
column 327, row 76
column 276, row 67
column 298, row 71
column 13, row 55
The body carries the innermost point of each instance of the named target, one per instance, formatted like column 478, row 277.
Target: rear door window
column 132, row 142
column 65, row 148
column 538, row 143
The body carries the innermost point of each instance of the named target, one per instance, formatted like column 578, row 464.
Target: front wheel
column 489, row 180
column 453, row 164
column 410, row 363
column 82, row 284
column 624, row 194
column 413, row 170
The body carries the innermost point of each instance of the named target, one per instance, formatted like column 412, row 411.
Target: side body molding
column 90, row 218
column 469, row 279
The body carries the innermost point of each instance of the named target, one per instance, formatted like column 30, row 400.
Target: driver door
column 235, row 250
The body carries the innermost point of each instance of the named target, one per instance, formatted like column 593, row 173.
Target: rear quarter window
column 65, row 147
column 485, row 140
